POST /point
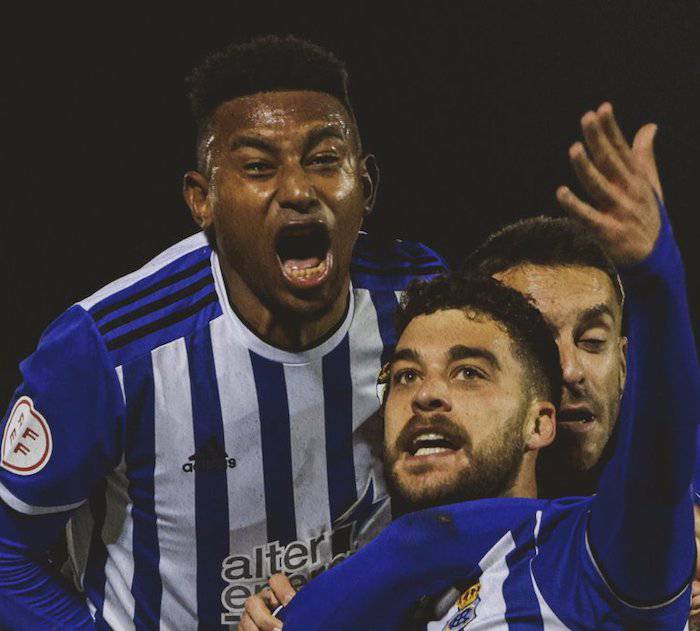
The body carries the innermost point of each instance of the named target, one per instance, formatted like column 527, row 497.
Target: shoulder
column 391, row 264
column 167, row 298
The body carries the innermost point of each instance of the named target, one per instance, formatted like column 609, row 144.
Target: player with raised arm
column 202, row 422
column 572, row 563
column 630, row 547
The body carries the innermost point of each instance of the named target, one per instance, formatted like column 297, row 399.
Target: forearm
column 32, row 596
column 641, row 523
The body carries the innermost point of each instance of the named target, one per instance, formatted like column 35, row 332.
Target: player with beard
column 460, row 376
column 202, row 422
column 570, row 272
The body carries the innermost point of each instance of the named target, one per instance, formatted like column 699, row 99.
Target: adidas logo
column 210, row 457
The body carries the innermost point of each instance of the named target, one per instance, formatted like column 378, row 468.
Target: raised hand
column 620, row 182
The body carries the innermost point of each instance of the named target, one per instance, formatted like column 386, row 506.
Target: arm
column 640, row 529
column 59, row 437
column 420, row 554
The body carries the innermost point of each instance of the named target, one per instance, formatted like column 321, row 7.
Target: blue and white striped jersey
column 198, row 459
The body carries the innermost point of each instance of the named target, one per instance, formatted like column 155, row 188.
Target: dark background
column 469, row 106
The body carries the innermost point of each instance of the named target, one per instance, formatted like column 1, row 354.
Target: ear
column 623, row 364
column 195, row 190
column 541, row 425
column 369, row 176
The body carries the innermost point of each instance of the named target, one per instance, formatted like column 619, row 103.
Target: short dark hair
column 533, row 342
column 542, row 240
column 264, row 64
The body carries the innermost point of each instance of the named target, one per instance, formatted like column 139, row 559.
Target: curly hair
column 533, row 342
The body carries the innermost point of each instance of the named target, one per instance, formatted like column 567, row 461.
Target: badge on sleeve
column 26, row 441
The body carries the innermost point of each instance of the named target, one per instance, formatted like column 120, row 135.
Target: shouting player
column 202, row 421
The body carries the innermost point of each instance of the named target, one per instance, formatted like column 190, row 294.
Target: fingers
column 604, row 154
column 258, row 613
column 614, row 134
column 282, row 588
column 643, row 151
column 580, row 209
column 595, row 183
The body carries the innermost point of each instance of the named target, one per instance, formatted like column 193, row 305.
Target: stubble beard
column 491, row 472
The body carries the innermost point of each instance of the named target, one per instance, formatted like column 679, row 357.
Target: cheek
column 604, row 371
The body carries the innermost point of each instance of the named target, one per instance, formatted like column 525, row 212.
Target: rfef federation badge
column 26, row 441
column 466, row 608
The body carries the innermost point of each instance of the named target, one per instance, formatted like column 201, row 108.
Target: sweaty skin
column 281, row 160
column 477, row 401
column 581, row 306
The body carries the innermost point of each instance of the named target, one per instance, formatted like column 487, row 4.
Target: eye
column 592, row 344
column 258, row 168
column 405, row 377
column 468, row 373
column 324, row 160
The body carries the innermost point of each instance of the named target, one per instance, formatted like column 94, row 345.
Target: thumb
column 643, row 149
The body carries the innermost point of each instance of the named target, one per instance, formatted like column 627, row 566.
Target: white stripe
column 308, row 445
column 174, row 487
column 167, row 256
column 241, row 420
column 491, row 610
column 365, row 364
column 120, row 377
column 118, row 609
column 622, row 600
column 495, row 571
column 78, row 537
column 28, row 509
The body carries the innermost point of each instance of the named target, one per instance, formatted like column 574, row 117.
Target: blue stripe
column 152, row 283
column 522, row 608
column 385, row 304
column 97, row 558
column 146, row 586
column 337, row 404
column 210, row 486
column 276, row 449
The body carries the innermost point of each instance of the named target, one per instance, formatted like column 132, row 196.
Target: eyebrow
column 322, row 133
column 473, row 352
column 455, row 353
column 254, row 142
column 595, row 312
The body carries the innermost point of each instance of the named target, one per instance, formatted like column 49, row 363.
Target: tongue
column 292, row 264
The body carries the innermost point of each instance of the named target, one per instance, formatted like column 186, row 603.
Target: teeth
column 429, row 451
column 422, row 437
column 308, row 272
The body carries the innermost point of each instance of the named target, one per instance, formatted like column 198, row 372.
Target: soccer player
column 201, row 423
column 574, row 282
column 467, row 408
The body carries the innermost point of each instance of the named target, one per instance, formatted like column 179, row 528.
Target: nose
column 296, row 191
column 432, row 395
column 571, row 368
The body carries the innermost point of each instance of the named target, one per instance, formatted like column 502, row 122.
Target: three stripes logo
column 211, row 456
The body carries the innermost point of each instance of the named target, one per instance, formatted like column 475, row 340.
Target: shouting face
column 580, row 304
column 456, row 410
column 285, row 192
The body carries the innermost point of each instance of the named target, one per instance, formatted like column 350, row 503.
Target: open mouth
column 430, row 443
column 578, row 419
column 303, row 250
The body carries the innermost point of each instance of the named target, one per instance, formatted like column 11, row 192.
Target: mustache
column 438, row 423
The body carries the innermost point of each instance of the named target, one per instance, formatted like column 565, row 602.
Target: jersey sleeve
column 641, row 530
column 62, row 430
column 420, row 554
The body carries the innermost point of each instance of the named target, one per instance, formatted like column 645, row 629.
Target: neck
column 287, row 330
column 525, row 483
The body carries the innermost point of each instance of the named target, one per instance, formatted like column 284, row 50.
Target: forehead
column 563, row 292
column 281, row 113
column 433, row 335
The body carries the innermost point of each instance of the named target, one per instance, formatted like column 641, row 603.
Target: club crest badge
column 26, row 441
column 466, row 608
